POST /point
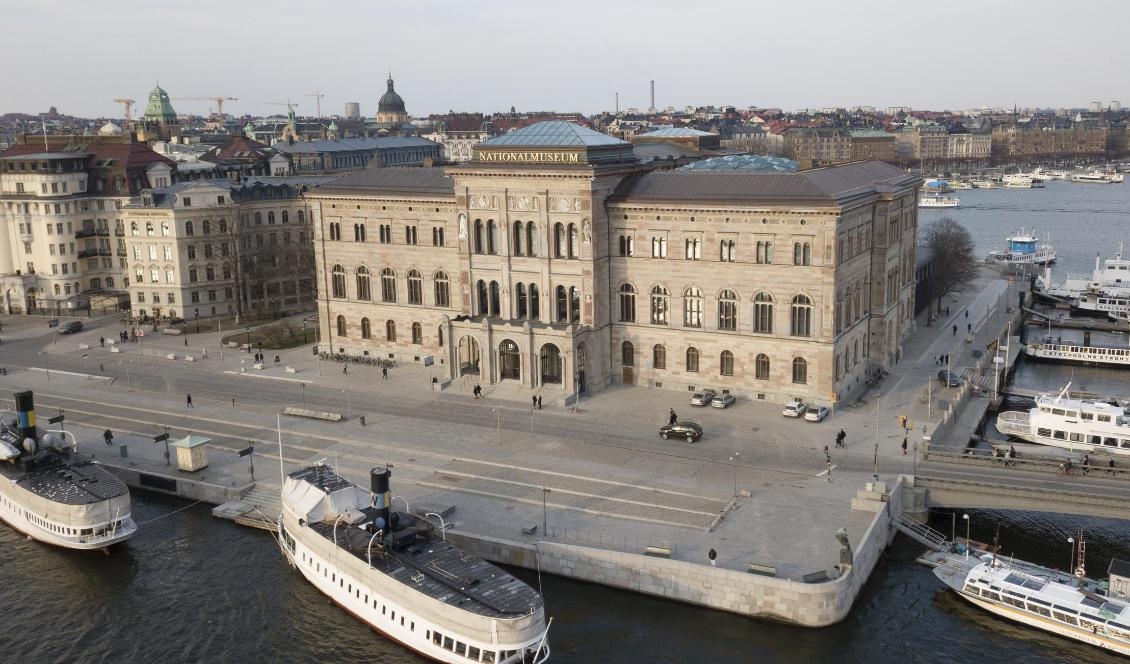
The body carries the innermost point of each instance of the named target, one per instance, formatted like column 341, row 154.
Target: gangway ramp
column 923, row 534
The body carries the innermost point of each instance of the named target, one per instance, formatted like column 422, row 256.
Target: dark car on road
column 688, row 430
column 71, row 327
column 950, row 378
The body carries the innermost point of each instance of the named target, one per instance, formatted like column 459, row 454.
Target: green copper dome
column 159, row 108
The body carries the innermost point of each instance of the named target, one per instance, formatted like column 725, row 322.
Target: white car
column 816, row 414
column 794, row 409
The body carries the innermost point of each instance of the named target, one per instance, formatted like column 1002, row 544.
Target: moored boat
column 393, row 571
column 1080, row 425
column 939, row 202
column 1075, row 353
column 1023, row 248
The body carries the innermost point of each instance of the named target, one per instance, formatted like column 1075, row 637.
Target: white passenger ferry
column 1073, row 352
column 939, row 202
column 1054, row 602
column 391, row 570
column 1083, row 425
column 1024, row 248
column 51, row 494
column 1111, row 273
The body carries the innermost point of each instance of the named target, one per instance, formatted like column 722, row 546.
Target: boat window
column 448, row 643
column 1104, row 418
column 437, row 638
column 1076, row 437
column 460, row 648
column 1113, row 442
column 488, row 656
column 1057, row 411
column 412, row 626
column 1045, row 409
column 1059, row 435
column 1125, row 443
column 1088, row 416
column 473, row 653
column 996, row 597
column 1044, row 433
column 1096, row 440
column 1113, row 607
column 1072, row 413
column 1013, row 601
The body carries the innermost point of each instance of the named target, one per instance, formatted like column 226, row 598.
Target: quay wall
column 172, row 485
column 786, row 600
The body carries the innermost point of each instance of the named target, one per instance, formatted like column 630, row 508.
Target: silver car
column 722, row 400
column 816, row 414
column 702, row 397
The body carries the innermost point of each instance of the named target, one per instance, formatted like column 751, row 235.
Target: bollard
column 122, row 451
column 362, row 420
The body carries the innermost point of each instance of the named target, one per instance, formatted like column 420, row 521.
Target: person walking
column 533, row 402
column 955, row 329
column 673, row 419
column 713, row 556
column 384, row 373
column 539, row 402
column 840, row 437
column 967, row 313
column 345, row 368
column 204, row 353
column 828, row 469
column 904, row 445
column 827, row 455
column 108, row 436
column 969, row 327
column 188, row 400
column 102, row 341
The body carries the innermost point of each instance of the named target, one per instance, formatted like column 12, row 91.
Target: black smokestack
column 378, row 483
column 25, row 414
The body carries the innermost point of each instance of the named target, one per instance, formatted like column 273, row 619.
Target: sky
column 489, row 55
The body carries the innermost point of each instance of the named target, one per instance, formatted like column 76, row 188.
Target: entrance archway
column 469, row 356
column 509, row 361
column 549, row 360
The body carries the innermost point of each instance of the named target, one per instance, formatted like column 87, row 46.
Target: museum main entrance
column 509, row 361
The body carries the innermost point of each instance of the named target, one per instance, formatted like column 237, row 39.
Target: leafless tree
column 955, row 265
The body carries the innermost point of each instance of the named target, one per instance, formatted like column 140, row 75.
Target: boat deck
column 60, row 476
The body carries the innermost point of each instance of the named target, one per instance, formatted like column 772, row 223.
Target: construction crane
column 317, row 95
column 128, row 105
column 219, row 102
column 289, row 104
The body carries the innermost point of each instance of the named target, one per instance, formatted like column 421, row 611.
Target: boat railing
column 1013, row 423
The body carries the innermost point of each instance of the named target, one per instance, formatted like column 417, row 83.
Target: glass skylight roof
column 743, row 162
column 553, row 133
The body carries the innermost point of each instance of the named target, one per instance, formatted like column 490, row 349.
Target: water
column 191, row 588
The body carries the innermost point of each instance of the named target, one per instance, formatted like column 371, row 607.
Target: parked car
column 722, row 401
column 688, row 430
column 949, row 378
column 71, row 327
column 702, row 397
column 794, row 409
column 816, row 414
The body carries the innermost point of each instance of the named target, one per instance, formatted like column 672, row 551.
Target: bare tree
column 955, row 266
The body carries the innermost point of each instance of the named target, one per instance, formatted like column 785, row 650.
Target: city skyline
column 537, row 56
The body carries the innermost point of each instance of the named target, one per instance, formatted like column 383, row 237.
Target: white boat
column 1103, row 302
column 1071, row 352
column 985, row 184
column 1075, row 607
column 1092, row 177
column 51, row 494
column 1113, row 272
column 939, row 202
column 393, row 571
column 961, row 184
column 1081, row 425
column 1023, row 248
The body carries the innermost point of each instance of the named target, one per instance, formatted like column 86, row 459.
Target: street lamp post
column 303, row 394
column 544, row 514
column 966, row 517
column 878, row 397
column 198, row 321
column 1071, row 564
column 733, row 461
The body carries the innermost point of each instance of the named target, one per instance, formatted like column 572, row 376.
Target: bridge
column 964, row 481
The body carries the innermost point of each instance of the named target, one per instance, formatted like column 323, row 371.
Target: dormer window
column 187, row 201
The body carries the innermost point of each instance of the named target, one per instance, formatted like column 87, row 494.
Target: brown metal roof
column 386, row 180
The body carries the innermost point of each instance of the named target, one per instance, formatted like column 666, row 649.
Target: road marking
column 65, row 373
column 255, row 375
column 825, row 471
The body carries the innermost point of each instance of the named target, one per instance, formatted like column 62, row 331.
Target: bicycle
column 1064, row 469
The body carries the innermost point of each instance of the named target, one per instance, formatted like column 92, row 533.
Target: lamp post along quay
column 878, row 398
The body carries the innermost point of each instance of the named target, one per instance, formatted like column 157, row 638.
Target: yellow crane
column 127, row 105
column 219, row 102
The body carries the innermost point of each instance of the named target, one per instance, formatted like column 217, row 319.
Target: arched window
column 491, row 237
column 135, row 230
column 518, row 237
column 341, row 326
column 692, row 359
column 301, row 216
column 149, row 227
column 800, row 370
column 627, row 354
column 802, row 253
column 206, row 227
column 573, row 246
column 363, row 290
column 763, row 313
column 559, row 240
column 659, row 356
column 726, row 363
column 164, row 228
column 285, row 218
column 800, row 317
column 761, row 371
column 258, row 218
column 388, row 285
column 417, row 334
column 574, row 304
column 390, row 330
column 338, row 281
column 535, row 303
column 562, row 303
column 627, row 303
column 520, row 296
column 692, row 307
column 659, row 305
column 442, row 292
column 271, row 217
column 765, row 252
column 495, row 300
column 415, row 288
column 366, row 329
column 482, row 297
column 727, row 311
column 479, row 236
column 531, row 239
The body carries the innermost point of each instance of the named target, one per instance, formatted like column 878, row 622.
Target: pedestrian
column 345, row 368
column 904, row 445
column 828, row 469
column 539, row 402
column 384, row 373
column 840, row 437
column 204, row 353
column 935, row 360
column 947, row 311
column 188, row 400
column 1086, row 464
column 533, row 402
column 969, row 327
column 967, row 313
column 673, row 418
column 1110, row 465
column 108, row 436
column 713, row 556
column 955, row 329
column 827, row 455
column 102, row 341
column 277, row 359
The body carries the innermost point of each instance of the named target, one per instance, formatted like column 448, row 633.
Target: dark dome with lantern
column 390, row 102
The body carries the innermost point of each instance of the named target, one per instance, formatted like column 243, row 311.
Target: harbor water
column 191, row 588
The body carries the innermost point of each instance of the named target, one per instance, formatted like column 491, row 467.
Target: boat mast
column 1081, row 570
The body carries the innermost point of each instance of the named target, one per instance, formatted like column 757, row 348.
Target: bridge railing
column 985, row 458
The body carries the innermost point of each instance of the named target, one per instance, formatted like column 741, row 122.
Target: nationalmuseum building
column 556, row 262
